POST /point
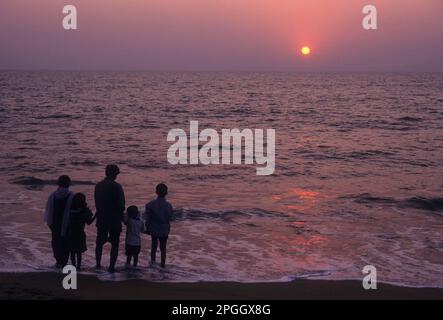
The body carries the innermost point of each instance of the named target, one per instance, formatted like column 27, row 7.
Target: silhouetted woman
column 57, row 218
column 76, row 237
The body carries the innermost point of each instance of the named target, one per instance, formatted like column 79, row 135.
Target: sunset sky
column 222, row 35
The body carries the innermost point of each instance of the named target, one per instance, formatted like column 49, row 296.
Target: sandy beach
column 47, row 286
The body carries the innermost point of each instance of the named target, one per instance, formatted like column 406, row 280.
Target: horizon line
column 213, row 70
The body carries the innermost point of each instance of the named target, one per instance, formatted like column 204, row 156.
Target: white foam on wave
column 237, row 248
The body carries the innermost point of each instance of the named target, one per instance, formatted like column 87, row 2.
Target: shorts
column 108, row 234
column 132, row 250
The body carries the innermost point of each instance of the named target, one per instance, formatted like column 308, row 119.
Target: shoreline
column 48, row 286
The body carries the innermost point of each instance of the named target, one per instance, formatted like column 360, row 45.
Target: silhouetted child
column 80, row 215
column 134, row 226
column 158, row 217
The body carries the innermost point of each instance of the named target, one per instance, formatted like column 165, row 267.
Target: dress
column 76, row 236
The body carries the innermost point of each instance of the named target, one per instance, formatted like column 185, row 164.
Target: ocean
column 358, row 178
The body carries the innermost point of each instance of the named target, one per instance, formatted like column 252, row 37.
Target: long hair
column 79, row 201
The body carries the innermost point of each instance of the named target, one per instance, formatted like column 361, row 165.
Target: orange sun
column 305, row 51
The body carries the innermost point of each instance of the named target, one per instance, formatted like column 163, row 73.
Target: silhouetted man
column 57, row 218
column 110, row 205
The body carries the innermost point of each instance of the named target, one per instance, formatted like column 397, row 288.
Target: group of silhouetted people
column 67, row 214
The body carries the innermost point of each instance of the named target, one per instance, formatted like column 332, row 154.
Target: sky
column 222, row 35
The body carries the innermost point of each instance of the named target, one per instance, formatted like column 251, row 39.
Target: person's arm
column 125, row 219
column 120, row 197
column 49, row 211
column 89, row 216
column 96, row 199
column 147, row 219
column 171, row 216
column 148, row 214
column 97, row 203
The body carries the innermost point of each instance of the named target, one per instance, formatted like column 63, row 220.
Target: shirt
column 133, row 229
column 158, row 217
column 110, row 203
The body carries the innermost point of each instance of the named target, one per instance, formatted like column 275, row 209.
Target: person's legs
column 55, row 242
column 73, row 258
column 135, row 260
column 163, row 242
column 79, row 260
column 114, row 238
column 154, row 244
column 59, row 248
column 128, row 254
column 102, row 237
column 64, row 251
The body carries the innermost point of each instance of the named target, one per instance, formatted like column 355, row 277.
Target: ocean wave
column 223, row 215
column 423, row 203
column 368, row 154
column 86, row 163
column 366, row 198
column 410, row 119
column 332, row 154
column 57, row 116
column 429, row 204
column 148, row 165
column 37, row 183
column 208, row 177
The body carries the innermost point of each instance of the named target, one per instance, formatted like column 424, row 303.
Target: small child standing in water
column 80, row 215
column 159, row 215
column 134, row 226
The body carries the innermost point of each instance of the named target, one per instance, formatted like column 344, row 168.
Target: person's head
column 161, row 190
column 64, row 181
column 79, row 201
column 132, row 212
column 112, row 171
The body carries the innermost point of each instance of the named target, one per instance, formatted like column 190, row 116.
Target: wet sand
column 49, row 286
